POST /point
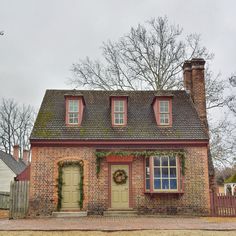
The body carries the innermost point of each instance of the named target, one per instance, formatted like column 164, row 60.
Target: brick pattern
column 43, row 190
column 195, row 199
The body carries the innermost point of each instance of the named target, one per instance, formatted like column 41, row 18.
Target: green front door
column 70, row 187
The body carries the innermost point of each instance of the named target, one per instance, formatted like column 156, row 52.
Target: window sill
column 73, row 125
column 164, row 192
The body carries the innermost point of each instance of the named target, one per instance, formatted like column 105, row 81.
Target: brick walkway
column 119, row 223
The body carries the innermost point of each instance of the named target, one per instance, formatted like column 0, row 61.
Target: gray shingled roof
column 16, row 166
column 96, row 123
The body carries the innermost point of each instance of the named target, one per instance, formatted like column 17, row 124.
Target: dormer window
column 74, row 109
column 162, row 106
column 73, row 112
column 119, row 111
column 164, row 112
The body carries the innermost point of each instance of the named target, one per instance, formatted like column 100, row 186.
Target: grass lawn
column 121, row 233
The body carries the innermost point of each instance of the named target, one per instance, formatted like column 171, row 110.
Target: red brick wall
column 195, row 199
column 44, row 173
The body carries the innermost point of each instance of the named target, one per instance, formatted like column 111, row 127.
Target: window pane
column 147, row 183
column 172, row 161
column 119, row 118
column 156, row 161
column 73, row 118
column 157, row 172
column 165, row 184
column 147, row 162
column 172, row 172
column 173, row 184
column 157, row 184
column 73, row 105
column 147, row 172
column 164, row 106
column 164, row 172
column 164, row 118
column 164, row 161
column 119, row 106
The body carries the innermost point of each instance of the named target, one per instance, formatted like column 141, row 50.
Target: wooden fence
column 4, row 200
column 19, row 199
column 223, row 205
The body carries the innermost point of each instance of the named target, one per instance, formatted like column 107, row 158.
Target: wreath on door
column 120, row 177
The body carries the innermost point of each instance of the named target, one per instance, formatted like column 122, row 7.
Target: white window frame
column 152, row 176
column 165, row 113
column 119, row 112
column 73, row 111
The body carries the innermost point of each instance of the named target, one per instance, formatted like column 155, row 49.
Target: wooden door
column 70, row 187
column 119, row 192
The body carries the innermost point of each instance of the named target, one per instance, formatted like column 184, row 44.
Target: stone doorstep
column 58, row 214
column 120, row 212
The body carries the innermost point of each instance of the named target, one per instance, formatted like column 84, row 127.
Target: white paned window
column 164, row 173
column 73, row 112
column 164, row 111
column 119, row 112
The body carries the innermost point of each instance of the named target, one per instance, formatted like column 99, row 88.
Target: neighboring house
column 10, row 167
column 230, row 185
column 24, row 175
column 120, row 150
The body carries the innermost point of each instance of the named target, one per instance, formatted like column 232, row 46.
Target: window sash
column 164, row 112
column 73, row 106
column 119, row 106
column 73, row 111
column 119, row 112
column 164, row 172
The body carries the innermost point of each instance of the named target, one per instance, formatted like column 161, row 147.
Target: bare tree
column 232, row 102
column 148, row 57
column 16, row 123
column 223, row 143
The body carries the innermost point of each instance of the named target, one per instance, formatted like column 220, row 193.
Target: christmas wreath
column 120, row 177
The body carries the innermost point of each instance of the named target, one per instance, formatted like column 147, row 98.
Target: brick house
column 96, row 151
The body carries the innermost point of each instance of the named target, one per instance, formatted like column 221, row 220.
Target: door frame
column 130, row 181
column 70, row 208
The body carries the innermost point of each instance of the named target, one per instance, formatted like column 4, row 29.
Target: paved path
column 119, row 223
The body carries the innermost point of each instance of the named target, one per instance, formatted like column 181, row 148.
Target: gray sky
column 43, row 38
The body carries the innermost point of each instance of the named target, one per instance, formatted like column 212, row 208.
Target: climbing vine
column 80, row 164
column 102, row 154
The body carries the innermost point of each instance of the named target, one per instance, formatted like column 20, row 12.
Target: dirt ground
column 122, row 233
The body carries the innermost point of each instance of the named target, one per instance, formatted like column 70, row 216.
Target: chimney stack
column 187, row 68
column 194, row 82
column 16, row 152
column 26, row 156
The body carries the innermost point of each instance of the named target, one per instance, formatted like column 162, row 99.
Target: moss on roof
column 231, row 179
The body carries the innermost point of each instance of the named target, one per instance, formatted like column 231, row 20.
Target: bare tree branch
column 16, row 123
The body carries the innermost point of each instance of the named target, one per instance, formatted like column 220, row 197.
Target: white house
column 10, row 167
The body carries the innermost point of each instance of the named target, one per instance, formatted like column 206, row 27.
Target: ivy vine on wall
column 80, row 164
column 101, row 154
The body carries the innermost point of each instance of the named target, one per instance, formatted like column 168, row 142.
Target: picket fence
column 19, row 199
column 223, row 205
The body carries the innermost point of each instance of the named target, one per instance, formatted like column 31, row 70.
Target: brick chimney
column 194, row 83
column 187, row 68
column 16, row 152
column 26, row 156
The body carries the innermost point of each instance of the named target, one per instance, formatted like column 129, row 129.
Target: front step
column 122, row 213
column 59, row 214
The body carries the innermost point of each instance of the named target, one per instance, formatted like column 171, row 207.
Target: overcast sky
column 44, row 37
